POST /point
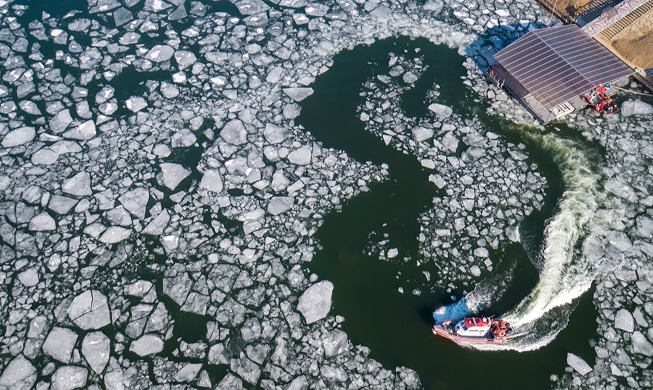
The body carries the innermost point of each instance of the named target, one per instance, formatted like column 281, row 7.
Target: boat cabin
column 473, row 327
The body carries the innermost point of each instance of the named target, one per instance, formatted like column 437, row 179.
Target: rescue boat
column 476, row 330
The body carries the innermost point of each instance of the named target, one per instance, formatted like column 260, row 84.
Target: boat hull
column 439, row 330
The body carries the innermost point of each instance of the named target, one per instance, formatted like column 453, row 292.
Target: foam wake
column 564, row 274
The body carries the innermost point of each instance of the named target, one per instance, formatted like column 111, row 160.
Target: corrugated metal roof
column 558, row 63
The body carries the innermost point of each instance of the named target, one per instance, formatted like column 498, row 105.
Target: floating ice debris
column 69, row 378
column 160, row 53
column 441, row 110
column 157, row 224
column 624, row 320
column 114, row 234
column 18, row 374
column 172, row 174
column 315, row 302
column 274, row 134
column 578, row 364
column 422, row 133
column 136, row 103
column 96, row 350
column 298, row 94
column 234, row 132
column 42, row 222
column 29, row 277
column 636, row 107
column 251, row 7
column 301, row 156
column 85, row 131
column 78, row 185
column 18, row 136
column 60, row 121
column 60, row 344
column 122, row 16
column 212, row 180
column 135, row 201
column 280, row 204
column 215, row 67
column 146, row 345
column 45, row 156
column 185, row 58
column 334, row 343
column 641, row 345
column 90, row 310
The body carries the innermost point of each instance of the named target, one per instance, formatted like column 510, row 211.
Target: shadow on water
column 397, row 327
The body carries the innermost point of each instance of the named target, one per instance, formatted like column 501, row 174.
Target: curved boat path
column 397, row 327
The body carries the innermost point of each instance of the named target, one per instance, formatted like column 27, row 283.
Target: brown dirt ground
column 636, row 42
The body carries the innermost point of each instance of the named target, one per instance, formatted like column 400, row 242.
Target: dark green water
column 397, row 327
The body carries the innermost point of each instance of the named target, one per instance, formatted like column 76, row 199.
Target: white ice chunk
column 636, row 107
column 45, row 156
column 298, row 94
column 441, row 110
column 29, row 277
column 422, row 133
column 301, row 156
column 280, row 204
column 85, row 131
column 293, row 3
column 60, row 122
column 251, row 7
column 624, row 320
column 481, row 252
column 90, row 310
column 645, row 227
column 69, row 378
column 185, row 58
column 42, row 222
column 122, row 16
column 158, row 224
column 135, row 201
column 315, row 302
column 641, row 345
column 160, row 53
column 96, row 351
column 274, row 134
column 172, row 174
column 234, row 132
column 212, row 180
column 18, row 374
column 148, row 344
column 78, row 185
column 450, row 141
column 183, row 139
column 19, row 136
column 60, row 344
column 578, row 364
column 114, row 234
column 136, row 103
column 61, row 204
column 334, row 343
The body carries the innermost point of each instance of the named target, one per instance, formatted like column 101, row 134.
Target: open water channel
column 395, row 326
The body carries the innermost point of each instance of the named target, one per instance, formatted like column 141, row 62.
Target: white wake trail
column 563, row 277
column 564, row 274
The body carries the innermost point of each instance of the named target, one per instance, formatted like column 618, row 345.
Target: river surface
column 395, row 326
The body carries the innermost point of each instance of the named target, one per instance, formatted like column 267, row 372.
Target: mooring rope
column 631, row 91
